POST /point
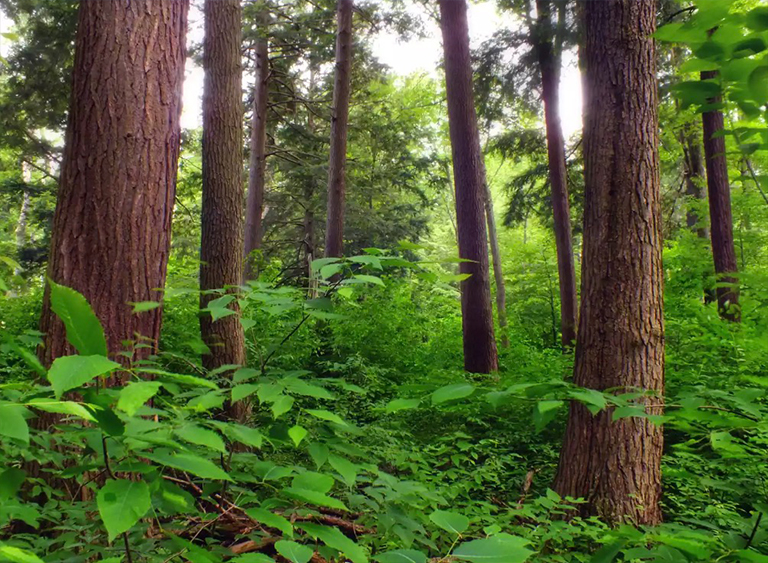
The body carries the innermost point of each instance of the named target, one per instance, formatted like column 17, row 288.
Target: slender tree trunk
column 112, row 225
column 480, row 354
column 334, row 230
column 549, row 65
column 694, row 179
column 257, row 161
column 721, row 218
column 616, row 465
column 21, row 225
column 498, row 274
column 222, row 225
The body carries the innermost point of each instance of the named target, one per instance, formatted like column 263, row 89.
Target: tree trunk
column 257, row 162
column 222, row 225
column 21, row 225
column 615, row 465
column 694, row 179
column 480, row 354
column 721, row 219
column 111, row 228
column 549, row 65
column 334, row 230
column 498, row 274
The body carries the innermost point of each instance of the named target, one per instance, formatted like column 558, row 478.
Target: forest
column 383, row 281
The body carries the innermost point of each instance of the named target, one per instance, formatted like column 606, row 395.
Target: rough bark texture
column 334, row 230
column 549, row 66
column 694, row 178
column 480, row 354
column 254, row 208
column 720, row 217
column 498, row 274
column 222, row 225
column 615, row 466
column 111, row 229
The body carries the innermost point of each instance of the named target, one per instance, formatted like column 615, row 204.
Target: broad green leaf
column 544, row 412
column 193, row 464
column 450, row 521
column 319, row 453
column 17, row 555
column 334, row 539
column 70, row 372
column 195, row 434
column 272, row 520
column 758, row 84
column 314, row 497
column 346, row 469
column 63, row 407
column 84, row 331
column 608, row 552
column 244, row 374
column 269, row 392
column 297, row 434
column 310, row 480
column 594, row 400
column 10, row 482
column 108, row 421
column 452, row 392
column 121, row 504
column 294, row 552
column 757, row 18
column 189, row 380
column 135, row 395
column 501, row 548
column 245, row 435
column 251, row 558
column 401, row 556
column 369, row 279
column 282, row 405
column 301, row 387
column 143, row 306
column 207, row 401
column 401, row 405
column 327, row 416
column 240, row 392
column 12, row 422
column 172, row 499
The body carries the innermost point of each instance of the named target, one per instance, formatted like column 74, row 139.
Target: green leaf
column 450, row 521
column 244, row 374
column 401, row 405
column 314, row 497
column 297, row 434
column 121, row 504
column 327, row 416
column 594, row 400
column 193, row 464
column 10, row 482
column 108, row 421
column 758, row 84
column 294, row 552
column 319, row 453
column 269, row 392
column 301, row 387
column 757, row 18
column 334, row 539
column 245, row 435
column 70, row 372
column 189, row 380
column 84, row 331
column 12, row 422
column 16, row 555
column 172, row 499
column 369, row 279
column 401, row 556
column 282, row 405
column 251, row 558
column 544, row 412
column 501, row 548
column 452, row 392
column 143, row 306
column 608, row 552
column 195, row 434
column 310, row 480
column 135, row 395
column 346, row 469
column 240, row 392
column 271, row 519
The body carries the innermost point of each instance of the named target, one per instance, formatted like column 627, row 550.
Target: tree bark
column 549, row 66
column 222, row 225
column 334, row 230
column 498, row 274
column 615, row 465
column 721, row 218
column 111, row 229
column 21, row 225
column 480, row 355
column 694, row 178
column 254, row 208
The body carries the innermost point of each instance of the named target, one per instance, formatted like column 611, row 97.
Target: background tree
column 616, row 465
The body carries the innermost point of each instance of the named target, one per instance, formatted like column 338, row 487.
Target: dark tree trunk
column 549, row 65
column 694, row 178
column 112, row 225
column 222, row 225
column 720, row 217
column 334, row 230
column 615, row 466
column 480, row 354
column 254, row 208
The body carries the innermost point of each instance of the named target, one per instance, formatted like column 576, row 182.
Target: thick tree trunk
column 257, row 162
column 549, row 65
column 111, row 228
column 615, row 465
column 222, row 226
column 498, row 274
column 720, row 217
column 334, row 230
column 480, row 354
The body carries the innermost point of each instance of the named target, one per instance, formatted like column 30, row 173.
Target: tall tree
column 615, row 465
column 222, row 225
column 549, row 59
column 111, row 228
column 720, row 216
column 254, row 208
column 498, row 273
column 334, row 230
column 480, row 354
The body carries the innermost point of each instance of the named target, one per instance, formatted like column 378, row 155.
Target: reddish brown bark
column 111, row 228
column 615, row 465
column 720, row 216
column 480, row 354
column 549, row 66
column 254, row 207
column 334, row 230
column 222, row 224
